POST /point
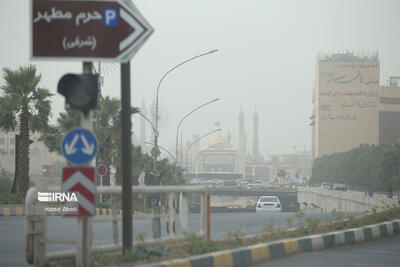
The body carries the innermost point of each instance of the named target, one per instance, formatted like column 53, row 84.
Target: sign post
column 84, row 30
column 102, row 171
column 126, row 157
column 85, row 230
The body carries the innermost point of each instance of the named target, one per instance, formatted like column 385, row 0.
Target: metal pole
column 180, row 122
column 203, row 213
column 115, row 219
column 155, row 201
column 180, row 160
column 208, row 218
column 98, row 126
column 101, row 185
column 156, row 220
column 84, row 233
column 126, row 157
column 165, row 75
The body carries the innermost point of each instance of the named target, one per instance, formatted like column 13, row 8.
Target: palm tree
column 26, row 107
column 53, row 134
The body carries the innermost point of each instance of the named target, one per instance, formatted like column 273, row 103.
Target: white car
column 326, row 186
column 268, row 203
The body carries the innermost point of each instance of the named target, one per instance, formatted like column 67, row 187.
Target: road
column 378, row 253
column 12, row 241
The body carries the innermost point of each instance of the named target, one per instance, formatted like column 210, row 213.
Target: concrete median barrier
column 11, row 210
column 274, row 250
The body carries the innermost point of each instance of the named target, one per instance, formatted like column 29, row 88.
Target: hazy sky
column 266, row 60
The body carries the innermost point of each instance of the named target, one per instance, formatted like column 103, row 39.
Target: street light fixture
column 179, row 125
column 197, row 140
column 159, row 84
column 156, row 221
column 148, row 120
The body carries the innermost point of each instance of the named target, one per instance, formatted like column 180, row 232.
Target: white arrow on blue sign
column 79, row 146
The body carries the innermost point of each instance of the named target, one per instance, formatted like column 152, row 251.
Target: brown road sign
column 110, row 30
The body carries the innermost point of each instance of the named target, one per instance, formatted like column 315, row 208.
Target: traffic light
column 80, row 91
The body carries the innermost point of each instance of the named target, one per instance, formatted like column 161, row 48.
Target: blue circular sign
column 102, row 169
column 79, row 146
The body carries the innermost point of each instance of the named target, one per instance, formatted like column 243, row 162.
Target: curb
column 20, row 211
column 12, row 211
column 274, row 250
column 109, row 212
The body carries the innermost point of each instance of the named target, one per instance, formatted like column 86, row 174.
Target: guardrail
column 346, row 201
column 36, row 222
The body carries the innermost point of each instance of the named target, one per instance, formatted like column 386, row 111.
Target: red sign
column 102, row 169
column 48, row 171
column 110, row 30
column 81, row 180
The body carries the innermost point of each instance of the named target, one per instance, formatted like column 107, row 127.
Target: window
column 12, row 141
column 12, row 152
column 268, row 199
column 2, row 140
column 390, row 100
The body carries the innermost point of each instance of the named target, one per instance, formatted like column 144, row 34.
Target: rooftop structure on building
column 348, row 56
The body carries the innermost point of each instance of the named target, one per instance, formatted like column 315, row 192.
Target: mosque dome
column 218, row 141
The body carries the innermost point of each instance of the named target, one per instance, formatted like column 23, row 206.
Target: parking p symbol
column 110, row 17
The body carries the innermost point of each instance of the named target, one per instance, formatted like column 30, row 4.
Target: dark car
column 341, row 187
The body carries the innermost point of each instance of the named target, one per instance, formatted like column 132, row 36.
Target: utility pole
column 84, row 233
column 98, row 177
column 126, row 147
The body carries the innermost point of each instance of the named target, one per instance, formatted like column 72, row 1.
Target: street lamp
column 156, row 221
column 149, row 121
column 179, row 125
column 197, row 140
column 154, row 131
column 198, row 155
column 159, row 84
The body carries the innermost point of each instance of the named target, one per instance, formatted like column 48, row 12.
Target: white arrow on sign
column 135, row 34
column 88, row 149
column 70, row 148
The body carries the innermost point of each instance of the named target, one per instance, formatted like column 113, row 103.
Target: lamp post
column 156, row 221
column 197, row 140
column 149, row 121
column 179, row 125
column 198, row 155
column 158, row 89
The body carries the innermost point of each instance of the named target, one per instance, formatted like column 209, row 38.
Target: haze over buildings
column 266, row 59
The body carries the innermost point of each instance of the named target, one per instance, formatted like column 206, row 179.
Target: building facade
column 221, row 157
column 39, row 154
column 350, row 107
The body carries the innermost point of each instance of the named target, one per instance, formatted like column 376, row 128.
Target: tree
column 367, row 166
column 109, row 139
column 53, row 135
column 26, row 107
column 108, row 133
